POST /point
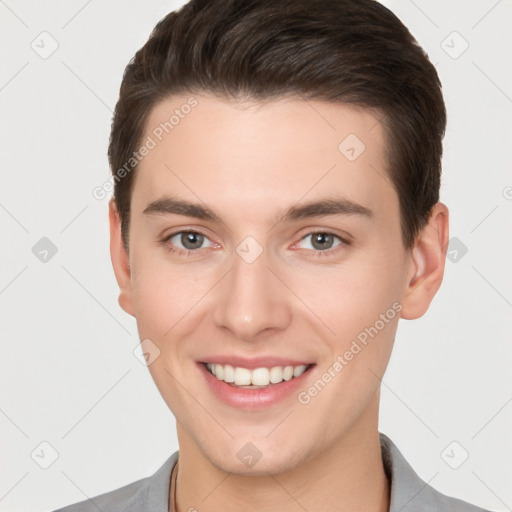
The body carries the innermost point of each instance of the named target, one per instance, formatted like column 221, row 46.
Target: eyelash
column 327, row 252
column 316, row 253
column 177, row 250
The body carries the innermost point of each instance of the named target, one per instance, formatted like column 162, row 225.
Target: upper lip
column 254, row 362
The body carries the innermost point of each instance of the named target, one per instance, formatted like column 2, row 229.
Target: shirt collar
column 407, row 488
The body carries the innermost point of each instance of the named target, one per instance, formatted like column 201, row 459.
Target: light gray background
column 69, row 376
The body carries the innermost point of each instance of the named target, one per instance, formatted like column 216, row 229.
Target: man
column 276, row 211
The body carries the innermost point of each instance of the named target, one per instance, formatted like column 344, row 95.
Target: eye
column 188, row 240
column 320, row 241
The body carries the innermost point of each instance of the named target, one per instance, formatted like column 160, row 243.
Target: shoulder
column 125, row 498
column 147, row 494
column 409, row 492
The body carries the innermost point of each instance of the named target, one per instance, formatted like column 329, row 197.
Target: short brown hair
column 348, row 51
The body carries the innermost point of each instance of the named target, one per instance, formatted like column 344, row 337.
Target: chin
column 254, row 459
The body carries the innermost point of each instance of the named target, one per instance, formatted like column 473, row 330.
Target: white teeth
column 229, row 373
column 260, row 377
column 288, row 373
column 257, row 377
column 219, row 371
column 299, row 370
column 242, row 376
column 276, row 374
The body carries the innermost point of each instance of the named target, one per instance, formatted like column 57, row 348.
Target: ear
column 426, row 264
column 120, row 260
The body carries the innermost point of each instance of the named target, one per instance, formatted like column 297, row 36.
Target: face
column 264, row 236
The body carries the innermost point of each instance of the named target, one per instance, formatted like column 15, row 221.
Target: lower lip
column 257, row 398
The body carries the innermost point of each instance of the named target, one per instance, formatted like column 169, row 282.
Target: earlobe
column 120, row 260
column 427, row 262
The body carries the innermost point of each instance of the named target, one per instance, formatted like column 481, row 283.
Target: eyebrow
column 338, row 206
column 169, row 206
column 323, row 207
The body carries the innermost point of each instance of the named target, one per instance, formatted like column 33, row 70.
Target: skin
column 249, row 163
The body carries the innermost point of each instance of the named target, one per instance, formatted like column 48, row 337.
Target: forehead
column 254, row 154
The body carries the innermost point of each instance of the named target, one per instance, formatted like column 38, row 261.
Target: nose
column 252, row 300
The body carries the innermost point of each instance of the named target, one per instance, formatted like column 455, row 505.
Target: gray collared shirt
column 409, row 493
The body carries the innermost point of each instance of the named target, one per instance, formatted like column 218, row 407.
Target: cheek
column 165, row 294
column 350, row 296
column 152, row 292
column 359, row 303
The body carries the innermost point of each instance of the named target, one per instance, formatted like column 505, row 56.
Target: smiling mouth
column 255, row 378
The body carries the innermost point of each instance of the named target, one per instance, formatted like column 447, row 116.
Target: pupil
column 322, row 241
column 192, row 240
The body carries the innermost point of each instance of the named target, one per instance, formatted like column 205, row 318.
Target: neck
column 349, row 475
